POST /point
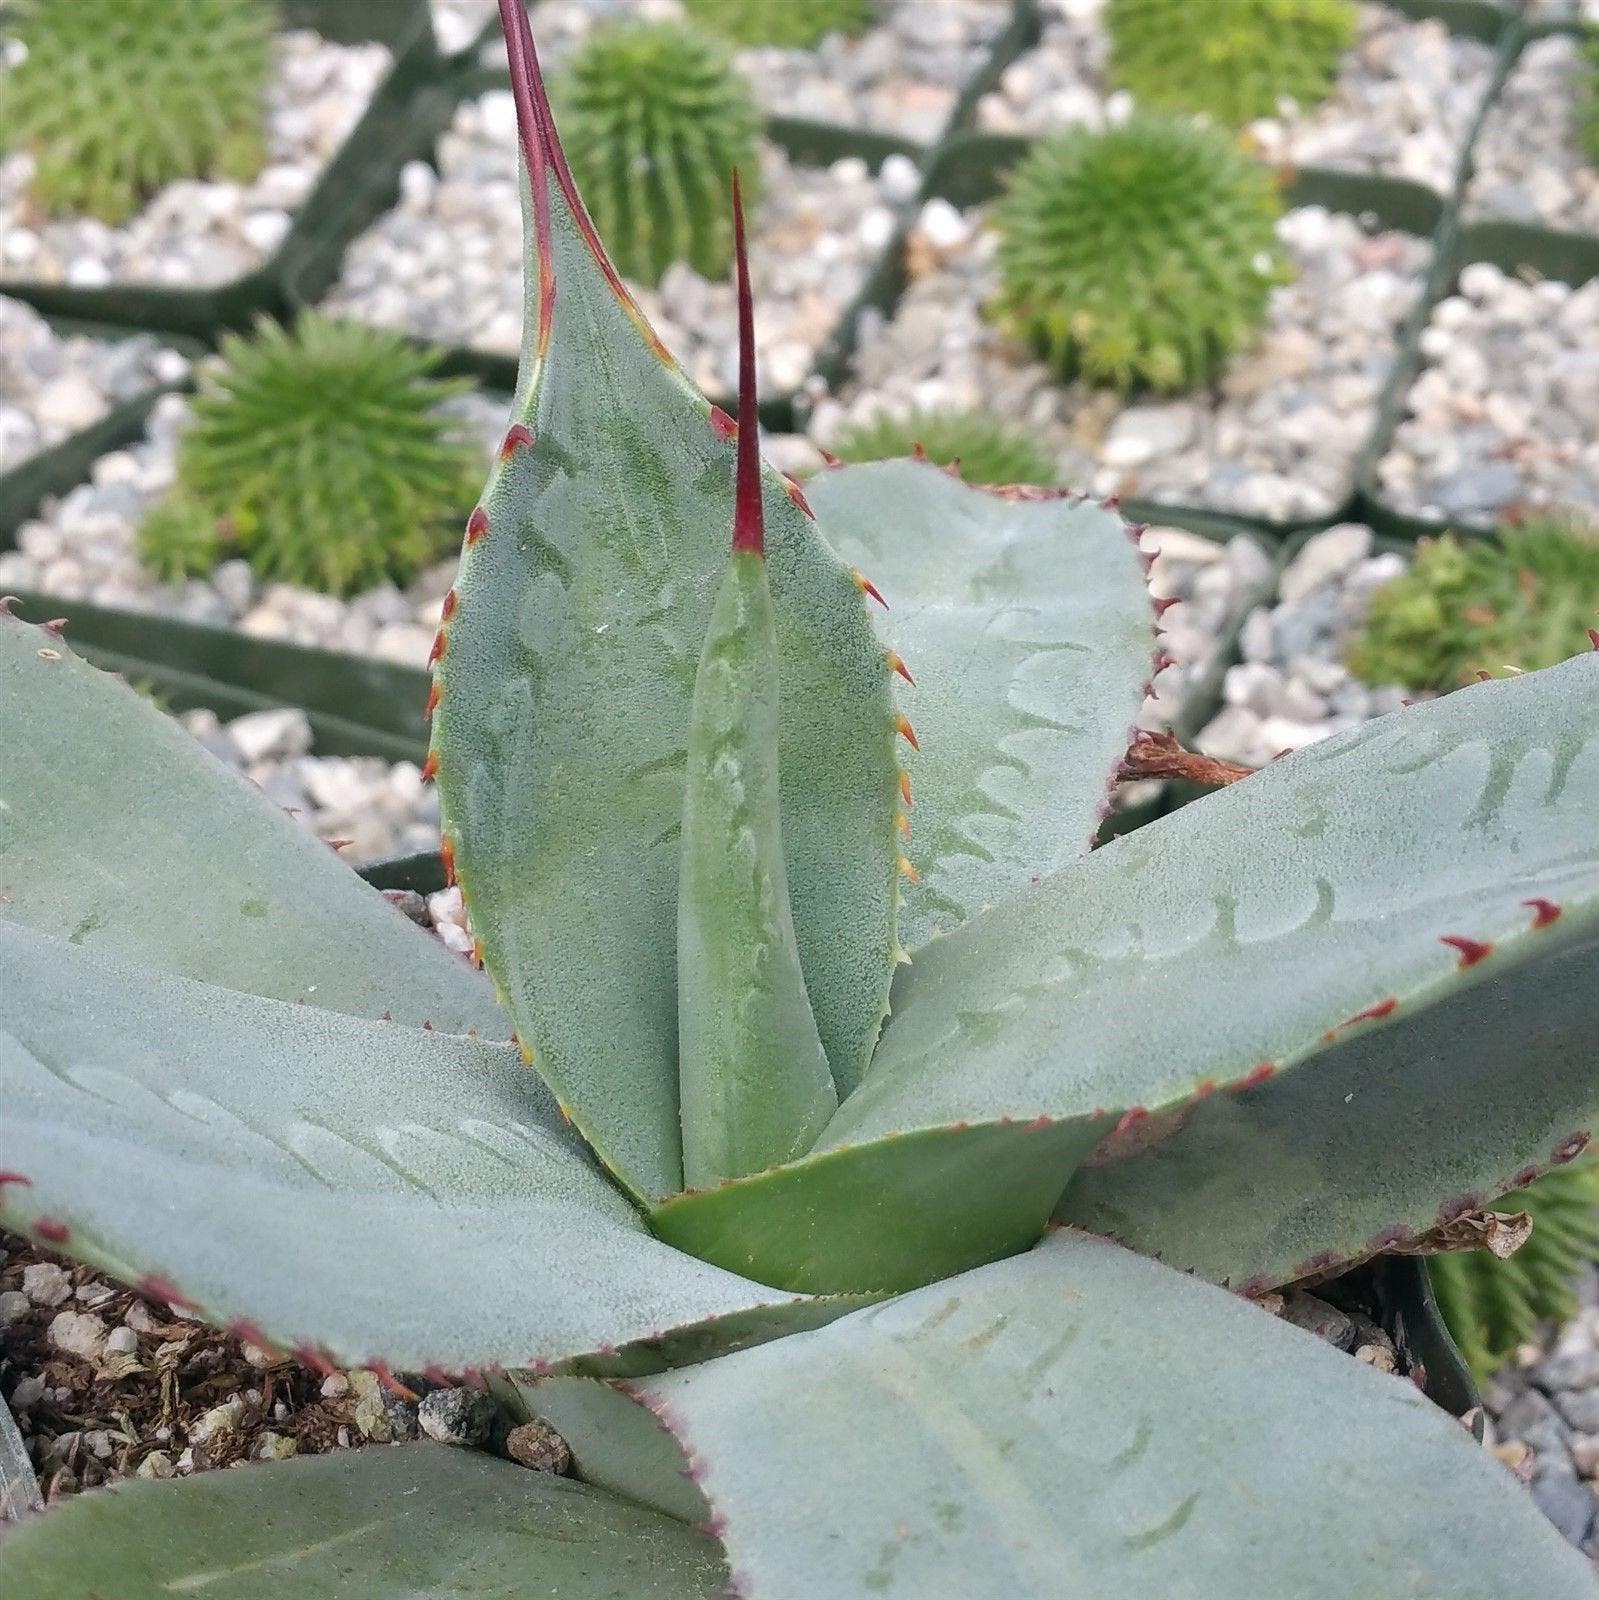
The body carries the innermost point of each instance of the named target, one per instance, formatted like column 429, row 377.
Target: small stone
column 29, row 1390
column 1574, row 1369
column 1567, row 1501
column 335, row 1385
column 1327, row 556
column 457, row 1416
column 45, row 1284
column 122, row 1341
column 538, row 1446
column 1579, row 1408
column 370, row 1413
column 158, row 1464
column 13, row 1304
column 275, row 734
column 78, row 1333
column 219, row 1420
column 1317, row 1317
column 275, row 1447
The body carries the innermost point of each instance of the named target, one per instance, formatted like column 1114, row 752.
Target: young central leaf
column 754, row 1081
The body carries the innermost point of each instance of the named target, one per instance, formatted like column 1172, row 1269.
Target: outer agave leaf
column 120, row 834
column 416, row 1523
column 362, row 1192
column 564, row 685
column 1272, row 926
column 1028, row 625
column 1081, row 1422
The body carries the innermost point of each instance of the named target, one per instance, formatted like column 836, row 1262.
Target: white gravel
column 1278, row 439
column 375, row 808
column 54, row 385
column 1291, row 687
column 903, row 76
column 457, row 24
column 199, row 234
column 1505, row 411
column 447, row 264
column 1528, row 164
column 1403, row 104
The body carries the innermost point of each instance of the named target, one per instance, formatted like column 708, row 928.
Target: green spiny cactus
column 1141, row 255
column 1525, row 600
column 1494, row 1306
column 658, row 118
column 986, row 450
column 319, row 454
column 773, row 22
column 117, row 100
column 1257, row 1039
column 1588, row 125
column 1229, row 60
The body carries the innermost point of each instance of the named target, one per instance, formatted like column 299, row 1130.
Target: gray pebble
column 458, row 1416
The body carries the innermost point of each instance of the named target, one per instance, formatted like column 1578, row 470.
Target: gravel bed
column 1279, row 436
column 1505, row 411
column 84, row 546
column 196, row 234
column 1403, row 104
column 54, row 385
column 1291, row 687
column 106, row 1385
column 369, row 808
column 1543, row 1421
column 904, row 76
column 1529, row 164
column 447, row 263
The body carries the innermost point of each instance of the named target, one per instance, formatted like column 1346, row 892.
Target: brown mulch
column 117, row 1413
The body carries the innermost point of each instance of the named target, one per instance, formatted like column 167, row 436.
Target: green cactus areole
column 774, row 22
column 981, row 449
column 1141, row 256
column 116, row 101
column 319, row 455
column 1229, row 60
column 1522, row 601
column 658, row 117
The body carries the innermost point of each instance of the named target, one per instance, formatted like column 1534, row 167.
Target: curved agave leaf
column 564, row 687
column 362, row 1192
column 1028, row 625
column 1265, row 928
column 418, row 1522
column 1080, row 1422
column 120, row 833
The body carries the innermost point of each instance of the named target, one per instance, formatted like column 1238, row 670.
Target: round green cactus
column 1493, row 1306
column 772, row 22
column 1525, row 600
column 321, row 457
column 1143, row 255
column 656, row 119
column 116, row 101
column 987, row 451
column 1230, row 60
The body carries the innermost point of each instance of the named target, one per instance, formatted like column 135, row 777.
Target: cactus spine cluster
column 1140, row 256
column 1494, row 1306
column 657, row 118
column 116, row 101
column 1524, row 600
column 320, row 455
column 1229, row 60
column 982, row 449
column 777, row 22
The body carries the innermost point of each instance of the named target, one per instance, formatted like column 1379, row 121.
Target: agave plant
column 817, row 1302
